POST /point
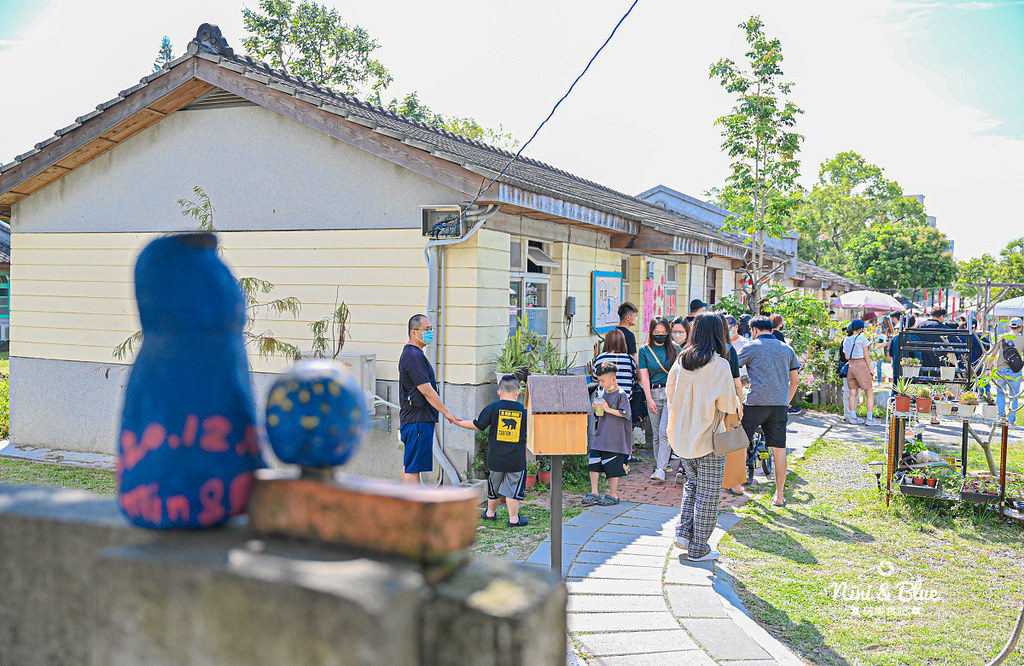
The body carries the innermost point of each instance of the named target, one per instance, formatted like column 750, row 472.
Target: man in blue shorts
column 417, row 390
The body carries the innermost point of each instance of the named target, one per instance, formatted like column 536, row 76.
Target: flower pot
column 944, row 408
column 918, row 481
column 544, row 476
column 903, row 403
column 990, row 412
column 908, row 371
column 924, row 405
column 932, row 482
column 966, row 411
column 531, row 481
column 947, row 373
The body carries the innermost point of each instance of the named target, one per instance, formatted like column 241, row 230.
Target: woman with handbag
column 700, row 392
column 656, row 357
column 858, row 372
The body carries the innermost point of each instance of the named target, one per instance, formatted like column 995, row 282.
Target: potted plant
column 968, row 403
column 931, row 476
column 910, row 367
column 917, row 477
column 979, row 489
column 544, row 473
column 989, row 410
column 943, row 400
column 531, row 473
column 901, row 389
column 947, row 373
column 914, row 483
column 924, row 400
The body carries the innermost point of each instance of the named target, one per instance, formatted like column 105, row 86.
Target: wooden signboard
column 557, row 409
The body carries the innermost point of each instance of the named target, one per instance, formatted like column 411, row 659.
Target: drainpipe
column 434, row 252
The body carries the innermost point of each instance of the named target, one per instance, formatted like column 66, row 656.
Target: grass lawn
column 836, row 529
column 497, row 539
column 25, row 473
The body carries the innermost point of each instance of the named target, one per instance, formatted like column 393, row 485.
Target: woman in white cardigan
column 699, row 390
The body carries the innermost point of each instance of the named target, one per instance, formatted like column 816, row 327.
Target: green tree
column 412, row 107
column 892, row 255
column 850, row 193
column 311, row 41
column 164, row 55
column 761, row 190
column 974, row 271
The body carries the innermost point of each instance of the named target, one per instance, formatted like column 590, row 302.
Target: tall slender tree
column 164, row 55
column 761, row 191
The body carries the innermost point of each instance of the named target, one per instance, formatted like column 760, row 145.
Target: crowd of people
column 692, row 375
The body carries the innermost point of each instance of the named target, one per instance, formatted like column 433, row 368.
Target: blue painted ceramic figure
column 189, row 441
column 316, row 415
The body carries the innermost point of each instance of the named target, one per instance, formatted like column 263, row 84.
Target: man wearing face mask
column 417, row 390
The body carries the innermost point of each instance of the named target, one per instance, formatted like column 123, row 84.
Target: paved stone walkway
column 634, row 597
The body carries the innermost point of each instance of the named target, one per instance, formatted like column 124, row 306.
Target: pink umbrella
column 864, row 299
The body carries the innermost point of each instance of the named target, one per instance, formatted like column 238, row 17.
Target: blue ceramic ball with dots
column 317, row 415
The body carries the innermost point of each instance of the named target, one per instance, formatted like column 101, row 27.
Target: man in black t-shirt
column 628, row 317
column 417, row 391
column 696, row 307
column 505, row 421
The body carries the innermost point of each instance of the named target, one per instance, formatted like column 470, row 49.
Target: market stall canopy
column 868, row 300
column 1013, row 307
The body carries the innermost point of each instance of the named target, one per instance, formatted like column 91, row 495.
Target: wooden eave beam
column 139, row 110
column 659, row 242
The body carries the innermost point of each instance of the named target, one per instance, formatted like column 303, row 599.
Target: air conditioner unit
column 442, row 221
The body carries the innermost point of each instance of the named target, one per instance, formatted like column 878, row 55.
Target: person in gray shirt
column 774, row 372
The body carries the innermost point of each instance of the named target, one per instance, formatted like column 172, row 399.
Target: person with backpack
column 1009, row 366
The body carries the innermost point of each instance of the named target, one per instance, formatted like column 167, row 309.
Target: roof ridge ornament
column 209, row 40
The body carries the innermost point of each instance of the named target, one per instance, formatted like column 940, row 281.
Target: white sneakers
column 871, row 421
column 855, row 420
column 659, row 475
column 711, row 555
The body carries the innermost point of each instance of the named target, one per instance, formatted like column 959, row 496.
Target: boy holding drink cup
column 613, row 441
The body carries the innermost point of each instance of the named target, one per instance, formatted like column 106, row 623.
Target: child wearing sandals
column 613, row 438
column 505, row 419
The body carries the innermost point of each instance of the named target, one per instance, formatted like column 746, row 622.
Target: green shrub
column 5, row 409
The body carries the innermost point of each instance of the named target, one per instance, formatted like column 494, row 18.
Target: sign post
column 557, row 407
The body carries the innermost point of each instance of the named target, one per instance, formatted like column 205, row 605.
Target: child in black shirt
column 506, row 450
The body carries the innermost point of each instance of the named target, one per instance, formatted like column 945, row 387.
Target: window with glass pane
column 536, row 302
column 514, row 303
column 515, row 256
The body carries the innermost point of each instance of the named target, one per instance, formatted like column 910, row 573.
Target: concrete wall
column 81, row 587
column 262, row 171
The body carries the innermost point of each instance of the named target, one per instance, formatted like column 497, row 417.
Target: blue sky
column 930, row 90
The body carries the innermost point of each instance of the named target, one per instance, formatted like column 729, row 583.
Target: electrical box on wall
column 442, row 221
column 570, row 306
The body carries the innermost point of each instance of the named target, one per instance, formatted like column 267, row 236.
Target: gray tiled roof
column 526, row 173
column 816, row 272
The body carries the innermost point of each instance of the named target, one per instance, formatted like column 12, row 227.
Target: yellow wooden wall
column 74, row 298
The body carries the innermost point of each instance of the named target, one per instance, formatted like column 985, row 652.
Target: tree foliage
column 850, row 194
column 893, row 255
column 412, row 107
column 311, row 41
column 164, row 55
column 761, row 189
column 1009, row 267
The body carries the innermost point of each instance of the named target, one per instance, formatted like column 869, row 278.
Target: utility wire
column 555, row 107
